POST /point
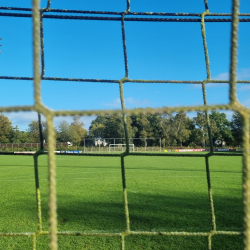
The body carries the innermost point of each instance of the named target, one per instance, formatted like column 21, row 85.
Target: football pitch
column 165, row 194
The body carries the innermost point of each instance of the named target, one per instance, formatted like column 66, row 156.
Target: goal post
column 121, row 147
column 150, row 144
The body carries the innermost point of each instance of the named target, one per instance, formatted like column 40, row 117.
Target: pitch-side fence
column 38, row 15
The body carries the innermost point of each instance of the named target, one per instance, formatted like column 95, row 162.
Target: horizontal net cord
column 120, row 13
column 110, row 234
column 149, row 110
column 43, row 110
column 125, row 18
column 117, row 81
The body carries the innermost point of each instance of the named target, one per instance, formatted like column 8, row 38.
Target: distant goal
column 120, row 148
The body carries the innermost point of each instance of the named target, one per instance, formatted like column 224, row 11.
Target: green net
column 38, row 15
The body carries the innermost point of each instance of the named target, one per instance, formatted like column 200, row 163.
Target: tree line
column 174, row 129
column 65, row 132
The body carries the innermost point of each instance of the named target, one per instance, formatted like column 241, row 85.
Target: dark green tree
column 97, row 126
column 166, row 127
column 142, row 128
column 181, row 130
column 33, row 131
column 66, row 133
column 223, row 132
column 6, row 129
column 111, row 126
column 236, row 128
column 201, row 131
column 81, row 132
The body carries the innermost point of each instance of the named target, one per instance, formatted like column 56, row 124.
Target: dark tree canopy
column 6, row 129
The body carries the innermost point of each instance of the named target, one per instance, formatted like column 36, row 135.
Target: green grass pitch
column 164, row 194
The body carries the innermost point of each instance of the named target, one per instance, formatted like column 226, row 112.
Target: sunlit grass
column 167, row 194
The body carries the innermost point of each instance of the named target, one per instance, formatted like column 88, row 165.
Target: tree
column 111, row 126
column 22, row 137
column 192, row 139
column 223, row 133
column 66, row 133
column 6, row 129
column 166, row 128
column 97, row 127
column 74, row 132
column 141, row 127
column 34, row 133
column 78, row 126
column 156, row 132
column 181, row 129
column 236, row 128
column 202, row 133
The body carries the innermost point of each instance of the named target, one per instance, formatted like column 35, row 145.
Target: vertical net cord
column 124, row 117
column 203, row 33
column 211, row 202
column 36, row 52
column 37, row 97
column 128, row 5
column 233, row 52
column 38, row 193
column 208, row 119
column 246, row 181
column 123, row 242
column 210, row 194
column 124, row 47
column 51, row 132
column 52, row 185
column 206, row 5
column 121, row 85
column 40, row 131
column 122, row 159
column 42, row 45
column 126, row 134
column 48, row 4
column 125, row 197
column 209, row 245
column 33, row 242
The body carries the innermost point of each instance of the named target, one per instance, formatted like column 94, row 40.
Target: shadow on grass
column 147, row 213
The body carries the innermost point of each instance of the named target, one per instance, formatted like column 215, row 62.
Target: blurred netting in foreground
column 38, row 15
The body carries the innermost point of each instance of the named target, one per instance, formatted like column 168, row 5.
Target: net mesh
column 38, row 15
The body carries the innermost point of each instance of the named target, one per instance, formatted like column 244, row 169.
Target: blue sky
column 93, row 49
